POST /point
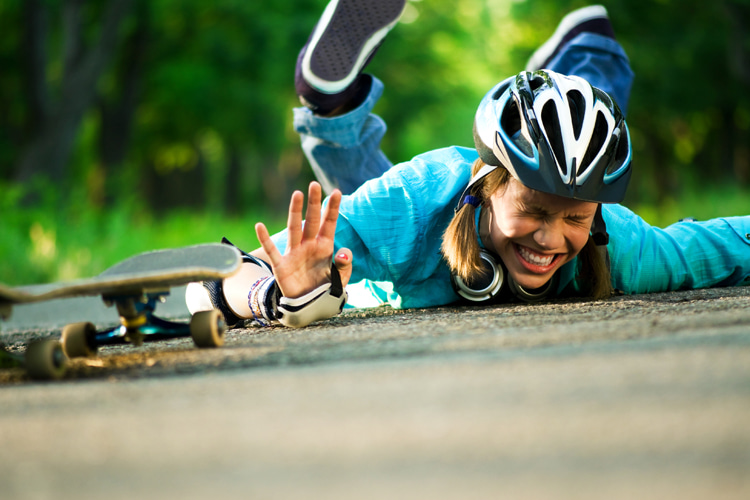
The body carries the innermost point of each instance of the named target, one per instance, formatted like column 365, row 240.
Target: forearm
column 685, row 255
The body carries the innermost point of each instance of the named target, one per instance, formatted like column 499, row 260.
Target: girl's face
column 536, row 233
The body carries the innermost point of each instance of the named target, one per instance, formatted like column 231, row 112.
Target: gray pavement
column 635, row 397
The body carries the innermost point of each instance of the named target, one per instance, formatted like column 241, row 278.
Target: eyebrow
column 532, row 208
column 536, row 209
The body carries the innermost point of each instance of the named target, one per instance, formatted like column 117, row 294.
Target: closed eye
column 577, row 220
column 535, row 211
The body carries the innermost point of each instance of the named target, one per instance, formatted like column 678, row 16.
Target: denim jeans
column 344, row 151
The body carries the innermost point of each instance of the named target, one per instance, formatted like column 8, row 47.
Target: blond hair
column 460, row 245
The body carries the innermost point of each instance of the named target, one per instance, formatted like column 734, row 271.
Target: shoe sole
column 347, row 33
column 567, row 23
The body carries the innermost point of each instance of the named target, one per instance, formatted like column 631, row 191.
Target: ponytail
column 593, row 272
column 460, row 245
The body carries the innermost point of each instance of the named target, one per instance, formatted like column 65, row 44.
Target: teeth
column 534, row 258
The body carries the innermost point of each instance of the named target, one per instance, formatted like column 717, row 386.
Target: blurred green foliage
column 41, row 245
column 187, row 133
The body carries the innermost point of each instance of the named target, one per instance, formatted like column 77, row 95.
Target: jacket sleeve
column 379, row 224
column 685, row 255
column 394, row 224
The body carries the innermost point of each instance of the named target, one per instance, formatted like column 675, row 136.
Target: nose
column 550, row 235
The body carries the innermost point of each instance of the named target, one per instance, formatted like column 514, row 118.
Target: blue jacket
column 394, row 224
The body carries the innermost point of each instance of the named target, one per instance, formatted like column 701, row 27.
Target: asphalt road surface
column 636, row 397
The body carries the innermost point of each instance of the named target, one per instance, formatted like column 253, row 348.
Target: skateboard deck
column 135, row 286
column 157, row 270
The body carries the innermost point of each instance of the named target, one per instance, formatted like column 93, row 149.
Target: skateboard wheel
column 207, row 328
column 45, row 360
column 77, row 340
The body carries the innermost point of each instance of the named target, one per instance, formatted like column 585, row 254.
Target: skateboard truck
column 138, row 323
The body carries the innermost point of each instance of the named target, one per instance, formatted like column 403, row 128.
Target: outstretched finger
column 312, row 218
column 294, row 221
column 267, row 244
column 343, row 262
column 328, row 228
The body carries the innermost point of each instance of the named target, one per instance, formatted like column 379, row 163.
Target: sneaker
column 591, row 19
column 344, row 40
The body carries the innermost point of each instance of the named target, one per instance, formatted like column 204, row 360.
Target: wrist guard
column 268, row 305
column 324, row 302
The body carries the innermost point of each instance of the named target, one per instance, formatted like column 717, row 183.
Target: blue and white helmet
column 556, row 134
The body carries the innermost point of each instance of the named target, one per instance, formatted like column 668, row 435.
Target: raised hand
column 306, row 264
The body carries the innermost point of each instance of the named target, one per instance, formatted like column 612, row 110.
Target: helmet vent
column 598, row 138
column 500, row 90
column 510, row 121
column 576, row 103
column 551, row 125
column 536, row 81
column 621, row 154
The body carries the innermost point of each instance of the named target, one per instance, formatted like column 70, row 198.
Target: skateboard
column 135, row 287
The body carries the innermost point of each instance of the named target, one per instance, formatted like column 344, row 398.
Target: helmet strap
column 599, row 228
column 600, row 235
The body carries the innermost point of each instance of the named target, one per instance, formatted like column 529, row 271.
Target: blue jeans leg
column 599, row 60
column 344, row 151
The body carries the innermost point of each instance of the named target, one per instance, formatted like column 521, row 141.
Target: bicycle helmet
column 556, row 134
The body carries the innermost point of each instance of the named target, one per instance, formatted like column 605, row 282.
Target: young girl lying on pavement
column 530, row 214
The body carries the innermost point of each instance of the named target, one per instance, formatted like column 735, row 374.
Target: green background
column 130, row 125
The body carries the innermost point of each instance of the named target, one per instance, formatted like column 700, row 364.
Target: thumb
column 343, row 261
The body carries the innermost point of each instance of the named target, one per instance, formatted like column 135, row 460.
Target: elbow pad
column 209, row 295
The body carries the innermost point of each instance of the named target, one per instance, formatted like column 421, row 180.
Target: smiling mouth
column 536, row 262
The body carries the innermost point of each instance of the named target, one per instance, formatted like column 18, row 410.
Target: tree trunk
column 35, row 25
column 737, row 49
column 49, row 150
column 117, row 114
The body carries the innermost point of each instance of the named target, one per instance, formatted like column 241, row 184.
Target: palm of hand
column 306, row 264
column 304, row 267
